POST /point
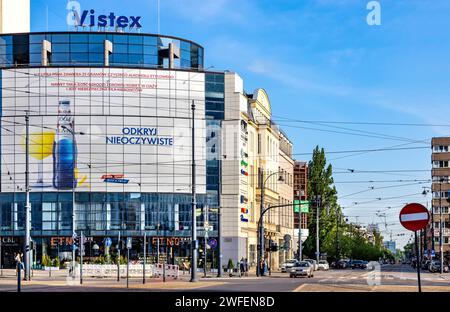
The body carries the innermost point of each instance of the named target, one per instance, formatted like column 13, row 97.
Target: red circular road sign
column 414, row 217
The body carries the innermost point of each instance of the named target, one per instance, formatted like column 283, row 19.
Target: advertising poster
column 102, row 130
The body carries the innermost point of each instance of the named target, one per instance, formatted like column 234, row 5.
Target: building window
column 440, row 164
column 440, row 149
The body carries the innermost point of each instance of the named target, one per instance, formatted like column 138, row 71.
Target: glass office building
column 109, row 128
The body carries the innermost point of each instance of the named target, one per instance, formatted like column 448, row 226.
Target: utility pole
column 300, row 243
column 73, row 200
column 219, row 220
column 318, row 204
column 145, row 257
column 205, row 225
column 194, row 205
column 441, row 247
column 81, row 256
column 27, row 203
column 261, row 227
column 118, row 257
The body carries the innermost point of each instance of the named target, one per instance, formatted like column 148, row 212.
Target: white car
column 285, row 267
column 323, row 265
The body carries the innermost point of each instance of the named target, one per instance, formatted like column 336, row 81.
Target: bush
column 46, row 261
column 230, row 265
column 56, row 262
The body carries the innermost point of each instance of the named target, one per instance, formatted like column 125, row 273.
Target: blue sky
column 320, row 61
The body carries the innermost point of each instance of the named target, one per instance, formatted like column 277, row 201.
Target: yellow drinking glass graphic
column 40, row 147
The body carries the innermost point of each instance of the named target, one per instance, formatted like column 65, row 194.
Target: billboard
column 102, row 129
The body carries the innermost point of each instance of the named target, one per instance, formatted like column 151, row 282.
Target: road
column 387, row 278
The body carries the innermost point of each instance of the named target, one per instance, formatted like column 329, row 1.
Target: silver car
column 288, row 265
column 313, row 263
column 302, row 268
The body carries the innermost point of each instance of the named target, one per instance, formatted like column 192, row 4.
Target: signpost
column 129, row 243
column 415, row 217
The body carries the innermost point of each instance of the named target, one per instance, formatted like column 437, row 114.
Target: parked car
column 314, row 264
column 288, row 265
column 302, row 268
column 426, row 265
column 358, row 264
column 323, row 265
column 342, row 264
column 435, row 266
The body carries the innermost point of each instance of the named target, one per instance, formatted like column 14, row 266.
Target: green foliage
column 230, row 264
column 100, row 260
column 56, row 263
column 46, row 261
column 337, row 238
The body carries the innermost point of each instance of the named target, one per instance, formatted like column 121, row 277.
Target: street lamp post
column 318, row 203
column 27, row 203
column 72, row 131
column 261, row 224
column 194, row 246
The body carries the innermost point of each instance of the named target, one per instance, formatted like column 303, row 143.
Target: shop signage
column 169, row 241
column 9, row 241
column 88, row 18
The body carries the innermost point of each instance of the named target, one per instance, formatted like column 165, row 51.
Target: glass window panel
column 60, row 38
column 36, row 38
column 35, row 48
column 78, row 47
column 120, row 48
column 79, row 38
column 120, row 58
column 150, row 59
column 80, row 57
column 60, row 48
column 35, row 59
column 96, row 48
column 96, row 58
column 151, row 50
column 135, row 39
column 150, row 40
column 120, row 39
column 97, row 38
column 135, row 49
column 184, row 45
column 136, row 59
column 60, row 58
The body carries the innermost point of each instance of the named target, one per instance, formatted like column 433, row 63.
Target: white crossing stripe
column 414, row 216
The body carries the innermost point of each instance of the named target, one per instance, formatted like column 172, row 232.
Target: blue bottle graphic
column 64, row 149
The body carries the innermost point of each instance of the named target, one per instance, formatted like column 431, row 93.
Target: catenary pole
column 417, row 261
column 27, row 203
column 300, row 243
column 441, row 241
column 194, row 205
column 318, row 199
column 219, row 222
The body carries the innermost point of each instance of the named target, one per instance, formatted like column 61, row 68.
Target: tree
column 320, row 184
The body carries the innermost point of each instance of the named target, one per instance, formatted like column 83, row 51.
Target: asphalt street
column 387, row 278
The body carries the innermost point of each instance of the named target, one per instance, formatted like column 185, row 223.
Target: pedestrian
column 241, row 267
column 246, row 267
column 266, row 267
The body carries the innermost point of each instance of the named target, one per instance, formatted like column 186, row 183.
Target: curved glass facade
column 87, row 49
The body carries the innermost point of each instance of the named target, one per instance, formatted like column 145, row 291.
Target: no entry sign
column 414, row 217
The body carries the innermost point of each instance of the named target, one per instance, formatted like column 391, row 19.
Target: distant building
column 440, row 174
column 390, row 245
column 301, row 194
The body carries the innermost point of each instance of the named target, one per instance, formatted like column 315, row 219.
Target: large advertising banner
column 102, row 130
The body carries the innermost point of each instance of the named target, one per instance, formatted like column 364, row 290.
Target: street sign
column 129, row 240
column 433, row 254
column 212, row 242
column 414, row 217
column 108, row 242
column 301, row 204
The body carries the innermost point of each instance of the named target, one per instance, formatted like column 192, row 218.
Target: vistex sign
column 88, row 18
